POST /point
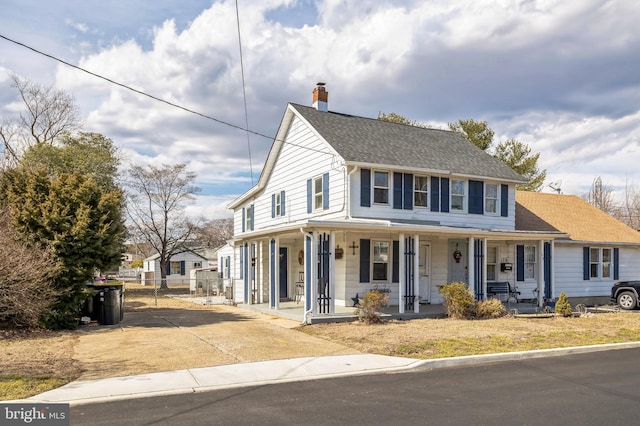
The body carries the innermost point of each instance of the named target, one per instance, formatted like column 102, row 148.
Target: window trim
column 465, row 196
column 374, row 187
column 534, row 271
column 600, row 263
column 374, row 262
column 424, row 191
column 498, row 209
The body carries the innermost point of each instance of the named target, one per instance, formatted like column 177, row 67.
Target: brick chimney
column 320, row 98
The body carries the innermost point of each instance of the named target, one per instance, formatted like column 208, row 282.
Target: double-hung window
column 317, row 193
column 530, row 261
column 278, row 204
column 492, row 256
column 457, row 195
column 380, row 260
column 174, row 267
column 381, row 187
column 600, row 262
column 491, row 198
column 421, row 191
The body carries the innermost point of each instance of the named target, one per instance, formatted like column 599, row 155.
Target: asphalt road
column 600, row 388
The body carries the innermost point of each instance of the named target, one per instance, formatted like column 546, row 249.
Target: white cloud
column 559, row 76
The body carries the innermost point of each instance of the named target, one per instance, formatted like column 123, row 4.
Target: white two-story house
column 346, row 204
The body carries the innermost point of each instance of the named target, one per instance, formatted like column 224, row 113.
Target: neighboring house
column 179, row 266
column 225, row 255
column 597, row 251
column 346, row 204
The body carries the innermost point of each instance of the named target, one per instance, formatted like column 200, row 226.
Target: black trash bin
column 110, row 313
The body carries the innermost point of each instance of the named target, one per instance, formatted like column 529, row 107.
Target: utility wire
column 244, row 93
column 155, row 98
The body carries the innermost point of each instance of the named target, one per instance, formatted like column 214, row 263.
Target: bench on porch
column 495, row 288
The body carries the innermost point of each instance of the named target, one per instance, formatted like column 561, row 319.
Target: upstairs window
column 381, row 187
column 317, row 193
column 278, row 204
column 249, row 218
column 421, row 191
column 491, row 198
column 457, row 195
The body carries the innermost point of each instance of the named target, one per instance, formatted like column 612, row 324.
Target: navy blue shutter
column 435, row 194
column 182, row 271
column 282, row 203
column 365, row 187
column 309, row 196
column 395, row 268
column 325, row 191
column 586, row 275
column 397, row 190
column 243, row 219
column 476, row 197
column 519, row 263
column 365, row 249
column 168, row 266
column 547, row 270
column 616, row 263
column 444, row 195
column 504, row 200
column 408, row 191
column 273, row 206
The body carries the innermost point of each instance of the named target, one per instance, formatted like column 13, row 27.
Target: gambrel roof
column 572, row 215
column 370, row 141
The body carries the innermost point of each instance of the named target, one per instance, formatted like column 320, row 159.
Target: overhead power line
column 155, row 98
column 135, row 90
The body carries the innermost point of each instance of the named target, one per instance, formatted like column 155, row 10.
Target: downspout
column 347, row 191
column 307, row 312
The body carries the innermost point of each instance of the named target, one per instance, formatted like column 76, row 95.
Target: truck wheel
column 627, row 300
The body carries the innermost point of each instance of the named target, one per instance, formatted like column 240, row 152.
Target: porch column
column 402, row 276
column 246, row 272
column 540, row 271
column 416, row 274
column 471, row 276
column 274, row 267
column 484, row 269
column 332, row 272
column 309, row 271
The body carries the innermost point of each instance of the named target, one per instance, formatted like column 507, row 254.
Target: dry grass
column 438, row 338
column 31, row 363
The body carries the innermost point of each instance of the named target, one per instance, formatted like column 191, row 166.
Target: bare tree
column 156, row 201
column 215, row 233
column 49, row 113
column 26, row 292
column 601, row 196
column 629, row 210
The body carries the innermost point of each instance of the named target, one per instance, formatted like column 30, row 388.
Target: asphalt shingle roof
column 536, row 211
column 368, row 140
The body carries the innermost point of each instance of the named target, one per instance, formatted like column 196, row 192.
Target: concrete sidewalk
column 279, row 371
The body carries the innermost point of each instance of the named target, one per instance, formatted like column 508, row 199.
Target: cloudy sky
column 560, row 76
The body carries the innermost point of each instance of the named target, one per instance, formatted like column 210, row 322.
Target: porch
column 295, row 311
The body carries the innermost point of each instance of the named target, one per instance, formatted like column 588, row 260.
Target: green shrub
column 491, row 308
column 563, row 307
column 370, row 305
column 458, row 300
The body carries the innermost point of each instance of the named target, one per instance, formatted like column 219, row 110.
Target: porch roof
column 381, row 225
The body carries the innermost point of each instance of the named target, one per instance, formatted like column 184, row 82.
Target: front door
column 284, row 288
column 458, row 261
column 425, row 273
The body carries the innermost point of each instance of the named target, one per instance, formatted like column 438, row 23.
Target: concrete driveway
column 163, row 339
